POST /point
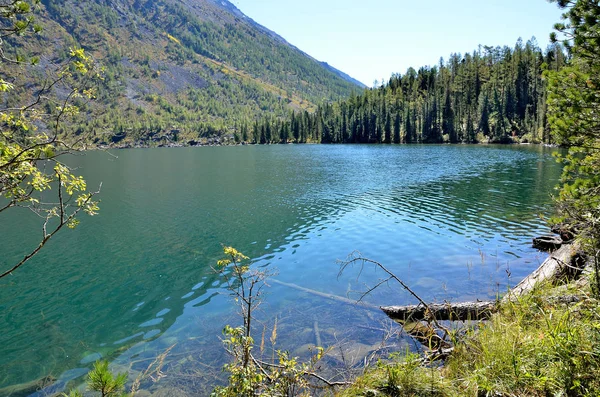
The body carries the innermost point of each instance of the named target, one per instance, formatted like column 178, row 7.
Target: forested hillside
column 194, row 72
column 175, row 71
column 491, row 95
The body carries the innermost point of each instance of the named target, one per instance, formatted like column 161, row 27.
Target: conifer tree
column 573, row 117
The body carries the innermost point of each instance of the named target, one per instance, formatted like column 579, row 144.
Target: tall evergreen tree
column 573, row 116
column 448, row 119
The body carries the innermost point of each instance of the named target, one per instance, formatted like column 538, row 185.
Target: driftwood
column 565, row 263
column 442, row 311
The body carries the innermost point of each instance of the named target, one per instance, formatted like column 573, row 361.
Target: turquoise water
column 454, row 222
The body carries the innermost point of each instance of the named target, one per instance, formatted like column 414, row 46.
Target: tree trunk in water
column 564, row 264
column 442, row 311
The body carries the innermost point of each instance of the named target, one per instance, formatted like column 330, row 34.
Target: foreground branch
column 63, row 221
column 356, row 257
column 328, row 382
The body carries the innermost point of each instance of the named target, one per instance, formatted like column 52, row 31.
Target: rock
column 352, row 354
column 547, row 243
column 565, row 233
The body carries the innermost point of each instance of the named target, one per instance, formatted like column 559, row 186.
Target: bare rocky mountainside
column 176, row 71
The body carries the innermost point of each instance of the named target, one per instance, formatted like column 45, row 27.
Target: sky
column 372, row 39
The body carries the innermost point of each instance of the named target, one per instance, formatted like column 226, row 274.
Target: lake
column 453, row 222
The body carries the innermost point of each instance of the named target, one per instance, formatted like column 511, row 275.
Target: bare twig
column 307, row 373
column 153, row 371
column 356, row 257
column 47, row 236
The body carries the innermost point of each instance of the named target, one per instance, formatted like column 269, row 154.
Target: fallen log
column 463, row 311
column 564, row 264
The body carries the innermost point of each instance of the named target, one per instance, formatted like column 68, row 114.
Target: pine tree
column 448, row 119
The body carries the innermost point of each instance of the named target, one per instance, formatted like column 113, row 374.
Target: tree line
column 494, row 94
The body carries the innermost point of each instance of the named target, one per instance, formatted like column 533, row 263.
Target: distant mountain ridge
column 343, row 75
column 183, row 70
column 234, row 10
column 230, row 7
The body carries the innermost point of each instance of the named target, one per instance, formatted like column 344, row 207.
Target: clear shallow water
column 454, row 222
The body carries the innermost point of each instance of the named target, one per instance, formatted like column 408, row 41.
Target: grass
column 529, row 348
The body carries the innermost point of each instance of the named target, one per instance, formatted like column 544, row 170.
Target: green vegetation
column 492, row 95
column 30, row 145
column 181, row 75
column 529, row 348
column 257, row 374
column 176, row 73
column 103, row 381
column 574, row 108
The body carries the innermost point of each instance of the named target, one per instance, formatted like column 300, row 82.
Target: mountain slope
column 182, row 69
column 343, row 75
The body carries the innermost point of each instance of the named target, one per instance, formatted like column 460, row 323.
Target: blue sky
column 371, row 39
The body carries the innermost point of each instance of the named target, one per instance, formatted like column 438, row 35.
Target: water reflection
column 137, row 279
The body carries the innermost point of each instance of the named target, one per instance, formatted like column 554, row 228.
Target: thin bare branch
column 356, row 257
column 47, row 236
column 307, row 373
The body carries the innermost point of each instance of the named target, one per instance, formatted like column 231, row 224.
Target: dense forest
column 491, row 95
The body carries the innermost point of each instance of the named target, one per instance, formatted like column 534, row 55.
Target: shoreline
column 526, row 327
column 185, row 145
